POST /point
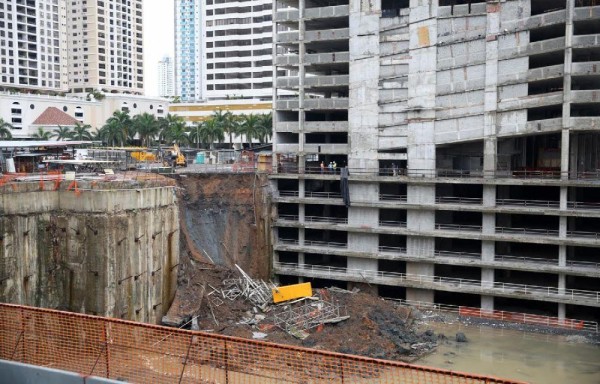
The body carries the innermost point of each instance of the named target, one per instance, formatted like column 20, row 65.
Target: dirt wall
column 224, row 220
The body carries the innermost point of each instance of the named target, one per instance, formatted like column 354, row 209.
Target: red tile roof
column 54, row 116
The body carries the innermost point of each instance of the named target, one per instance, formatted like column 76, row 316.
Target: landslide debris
column 375, row 328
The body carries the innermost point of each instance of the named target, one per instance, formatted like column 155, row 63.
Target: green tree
column 111, row 133
column 265, row 127
column 42, row 134
column 62, row 133
column 177, row 134
column 5, row 128
column 228, row 122
column 81, row 132
column 167, row 123
column 196, row 134
column 120, row 120
column 147, row 127
column 250, row 127
column 213, row 131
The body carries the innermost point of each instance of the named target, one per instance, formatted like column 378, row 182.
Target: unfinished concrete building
column 470, row 130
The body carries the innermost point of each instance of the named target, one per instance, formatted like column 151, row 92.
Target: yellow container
column 291, row 292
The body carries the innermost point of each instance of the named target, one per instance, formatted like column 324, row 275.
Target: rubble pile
column 332, row 319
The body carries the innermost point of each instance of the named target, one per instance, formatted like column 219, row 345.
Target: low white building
column 22, row 110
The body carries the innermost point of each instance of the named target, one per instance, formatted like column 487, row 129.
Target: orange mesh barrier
column 525, row 318
column 143, row 353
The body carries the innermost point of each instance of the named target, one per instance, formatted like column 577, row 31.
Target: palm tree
column 265, row 127
column 111, row 133
column 228, row 122
column 42, row 134
column 212, row 131
column 5, row 128
column 250, row 127
column 81, row 132
column 196, row 134
column 122, row 121
column 147, row 127
column 177, row 133
column 62, row 133
column 166, row 123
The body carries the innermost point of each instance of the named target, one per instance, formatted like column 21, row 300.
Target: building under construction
column 470, row 133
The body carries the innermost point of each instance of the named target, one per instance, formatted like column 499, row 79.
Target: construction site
column 434, row 177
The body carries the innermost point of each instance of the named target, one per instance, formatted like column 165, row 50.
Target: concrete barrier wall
column 111, row 252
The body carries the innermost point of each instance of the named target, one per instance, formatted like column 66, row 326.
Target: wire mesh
column 143, row 353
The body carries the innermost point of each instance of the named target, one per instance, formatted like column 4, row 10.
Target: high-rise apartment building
column 105, row 45
column 470, row 133
column 224, row 49
column 166, row 83
column 188, row 49
column 72, row 45
column 33, row 45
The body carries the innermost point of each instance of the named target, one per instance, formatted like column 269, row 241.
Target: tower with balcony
column 470, row 132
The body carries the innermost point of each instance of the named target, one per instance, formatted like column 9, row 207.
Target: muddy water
column 534, row 358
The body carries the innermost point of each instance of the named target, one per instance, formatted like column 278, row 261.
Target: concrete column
column 562, row 311
column 566, row 116
column 301, row 212
column 562, row 227
column 421, row 131
column 301, row 236
column 301, row 188
column 363, row 217
column 301, row 75
column 487, row 274
column 564, row 198
column 491, row 91
column 562, row 255
column 363, row 111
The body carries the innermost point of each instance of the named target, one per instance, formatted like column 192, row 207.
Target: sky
column 158, row 40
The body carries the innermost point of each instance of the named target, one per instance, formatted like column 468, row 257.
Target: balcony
column 327, row 149
column 586, row 96
column 327, row 12
column 327, row 81
column 327, row 35
column 287, row 104
column 544, row 46
column 531, row 292
column 459, row 227
column 329, row 126
column 287, row 126
column 458, row 200
column 327, row 58
column 288, row 82
column 287, row 148
column 287, row 60
column 287, row 37
column 323, row 103
column 586, row 41
column 286, row 14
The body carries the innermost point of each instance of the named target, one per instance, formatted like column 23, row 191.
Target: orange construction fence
column 526, row 318
column 143, row 353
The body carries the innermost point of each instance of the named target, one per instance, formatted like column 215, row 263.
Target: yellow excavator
column 172, row 156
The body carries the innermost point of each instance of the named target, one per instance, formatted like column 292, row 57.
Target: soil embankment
column 225, row 221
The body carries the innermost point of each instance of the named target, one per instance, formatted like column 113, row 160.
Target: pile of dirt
column 375, row 328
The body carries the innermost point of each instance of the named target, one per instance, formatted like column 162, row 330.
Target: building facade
column 188, row 49
column 224, row 49
column 72, row 46
column 33, row 45
column 166, row 79
column 470, row 133
column 22, row 110
column 106, row 45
